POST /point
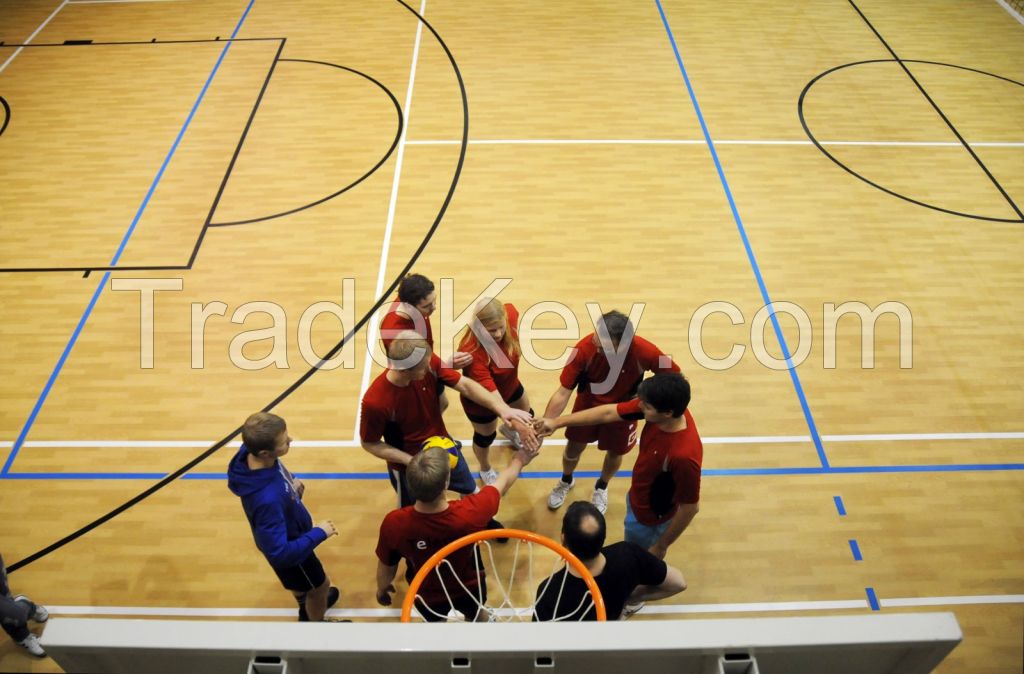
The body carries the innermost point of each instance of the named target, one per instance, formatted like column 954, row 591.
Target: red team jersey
column 415, row 536
column 405, row 416
column 393, row 323
column 487, row 373
column 588, row 367
column 680, row 454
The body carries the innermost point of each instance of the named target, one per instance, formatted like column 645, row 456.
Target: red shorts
column 617, row 438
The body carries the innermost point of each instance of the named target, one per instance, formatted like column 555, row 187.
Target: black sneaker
column 495, row 524
column 333, row 595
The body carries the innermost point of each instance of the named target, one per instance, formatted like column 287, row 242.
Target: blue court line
column 872, row 598
column 117, row 256
column 839, row 506
column 549, row 474
column 746, row 245
column 855, row 549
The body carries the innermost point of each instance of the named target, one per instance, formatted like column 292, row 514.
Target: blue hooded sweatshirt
column 281, row 525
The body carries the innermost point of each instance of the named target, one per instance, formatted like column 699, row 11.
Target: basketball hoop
column 505, row 610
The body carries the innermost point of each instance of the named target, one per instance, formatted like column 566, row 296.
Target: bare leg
column 316, row 601
column 483, row 453
column 612, row 463
column 571, row 456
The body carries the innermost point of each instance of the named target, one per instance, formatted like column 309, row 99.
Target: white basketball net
column 511, row 596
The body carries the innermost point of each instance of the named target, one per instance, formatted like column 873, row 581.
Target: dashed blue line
column 51, row 380
column 872, row 599
column 855, row 549
column 808, row 417
column 839, row 505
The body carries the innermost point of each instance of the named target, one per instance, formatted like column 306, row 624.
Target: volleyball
column 444, row 443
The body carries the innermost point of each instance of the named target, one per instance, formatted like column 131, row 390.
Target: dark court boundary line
column 88, row 269
column 125, row 238
column 938, row 110
column 546, row 474
column 316, row 368
column 387, row 155
column 835, row 160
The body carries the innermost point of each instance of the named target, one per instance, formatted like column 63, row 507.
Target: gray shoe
column 41, row 615
column 631, row 610
column 512, row 435
column 558, row 494
column 31, row 644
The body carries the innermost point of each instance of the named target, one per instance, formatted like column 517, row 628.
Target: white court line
column 1013, row 12
column 34, row 33
column 738, row 440
column 108, row 2
column 753, row 607
column 865, row 143
column 953, row 601
column 372, row 330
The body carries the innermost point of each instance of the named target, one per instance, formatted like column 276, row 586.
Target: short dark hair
column 414, row 289
column 261, row 431
column 616, row 324
column 666, row 392
column 584, row 544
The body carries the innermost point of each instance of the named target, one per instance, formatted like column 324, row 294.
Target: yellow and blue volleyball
column 444, row 443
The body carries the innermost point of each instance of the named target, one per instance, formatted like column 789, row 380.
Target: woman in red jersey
column 493, row 343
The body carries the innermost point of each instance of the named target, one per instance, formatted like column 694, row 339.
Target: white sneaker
column 512, row 435
column 631, row 609
column 600, row 500
column 41, row 615
column 31, row 644
column 488, row 476
column 558, row 494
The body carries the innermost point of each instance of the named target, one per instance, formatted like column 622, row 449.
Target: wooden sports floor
column 618, row 153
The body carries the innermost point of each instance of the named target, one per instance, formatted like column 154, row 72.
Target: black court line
column 234, row 157
column 7, row 114
column 941, row 114
column 35, row 45
column 334, row 351
column 387, row 155
column 859, row 176
column 79, row 269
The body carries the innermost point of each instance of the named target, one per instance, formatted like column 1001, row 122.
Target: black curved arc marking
column 7, row 114
column 333, row 352
column 821, row 148
column 387, row 155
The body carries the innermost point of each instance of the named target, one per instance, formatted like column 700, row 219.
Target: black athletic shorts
column 306, row 576
column 489, row 417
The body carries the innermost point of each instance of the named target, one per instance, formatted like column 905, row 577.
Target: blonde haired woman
column 493, row 343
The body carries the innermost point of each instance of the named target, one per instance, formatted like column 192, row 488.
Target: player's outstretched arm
column 602, row 414
column 482, row 396
column 508, row 476
column 559, row 399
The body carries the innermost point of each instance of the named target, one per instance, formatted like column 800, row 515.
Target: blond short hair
column 404, row 346
column 427, row 474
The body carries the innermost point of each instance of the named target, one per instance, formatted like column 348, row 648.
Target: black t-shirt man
column 627, row 565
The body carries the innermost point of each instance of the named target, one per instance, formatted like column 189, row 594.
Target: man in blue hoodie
column 281, row 525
